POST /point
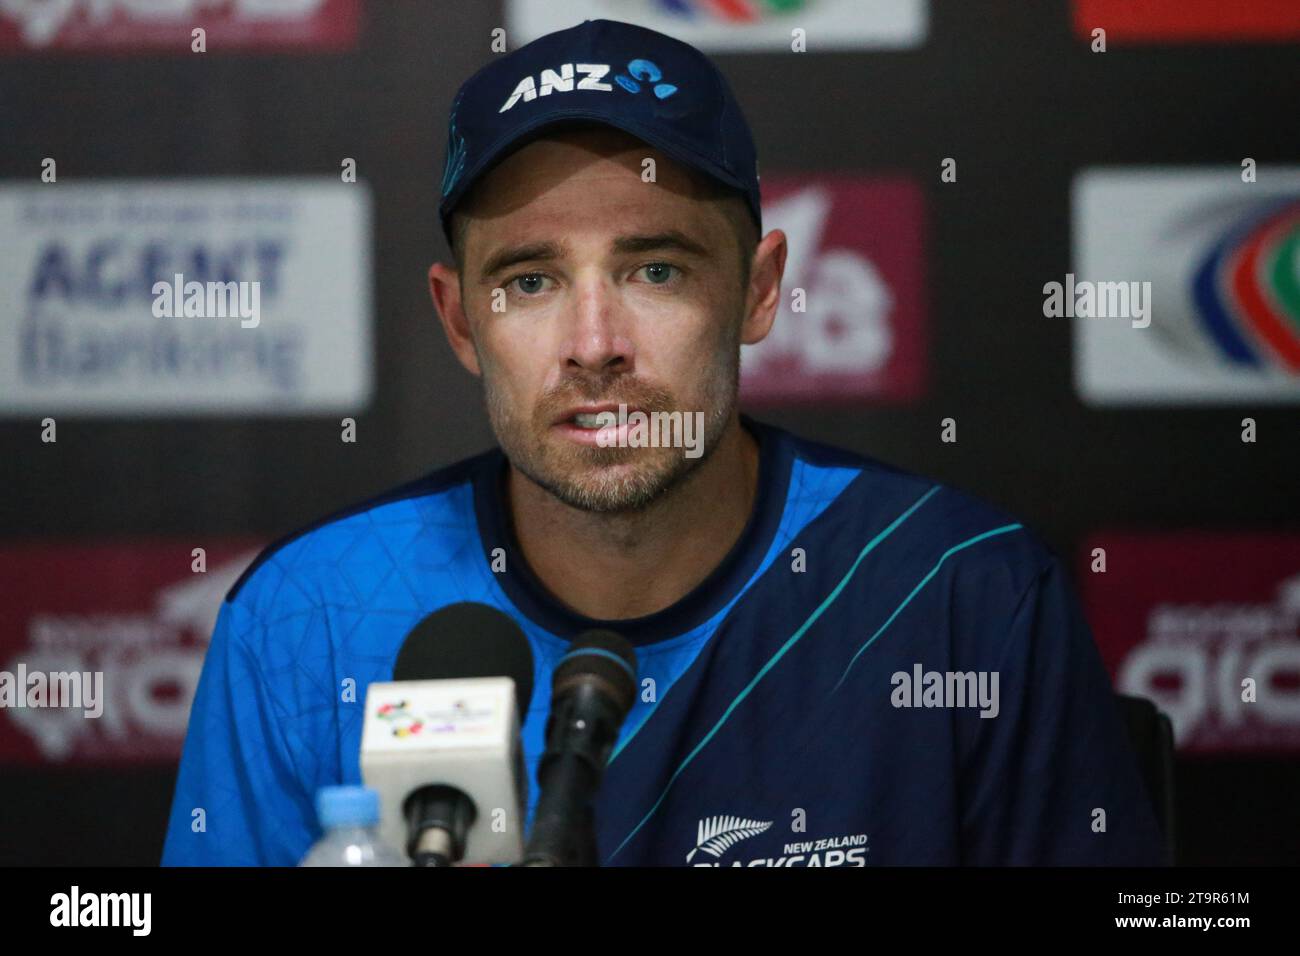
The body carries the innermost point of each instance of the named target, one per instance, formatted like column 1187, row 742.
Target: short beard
column 581, row 477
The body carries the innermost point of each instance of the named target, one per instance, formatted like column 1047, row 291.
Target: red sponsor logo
column 1188, row 20
column 852, row 321
column 101, row 646
column 128, row 26
column 1207, row 626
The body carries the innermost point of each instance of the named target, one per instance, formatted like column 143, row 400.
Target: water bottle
column 349, row 816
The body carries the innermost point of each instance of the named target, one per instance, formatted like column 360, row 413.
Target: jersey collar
column 712, row 594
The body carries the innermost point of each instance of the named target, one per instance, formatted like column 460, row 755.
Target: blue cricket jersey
column 882, row 670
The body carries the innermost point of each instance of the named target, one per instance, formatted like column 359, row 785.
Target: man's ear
column 763, row 297
column 444, row 287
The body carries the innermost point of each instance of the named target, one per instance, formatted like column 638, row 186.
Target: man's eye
column 531, row 283
column 658, row 273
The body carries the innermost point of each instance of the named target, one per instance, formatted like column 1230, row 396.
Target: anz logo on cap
column 645, row 70
column 593, row 74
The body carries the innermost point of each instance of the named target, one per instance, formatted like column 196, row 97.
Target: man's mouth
column 594, row 417
column 590, row 419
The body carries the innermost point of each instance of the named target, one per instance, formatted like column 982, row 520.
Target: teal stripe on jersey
column 794, row 639
column 813, row 489
column 907, row 600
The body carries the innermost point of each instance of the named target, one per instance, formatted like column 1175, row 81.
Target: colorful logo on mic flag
column 405, row 724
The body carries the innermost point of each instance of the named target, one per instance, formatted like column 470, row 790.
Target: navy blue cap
column 653, row 86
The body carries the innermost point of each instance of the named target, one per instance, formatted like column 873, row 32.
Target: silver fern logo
column 719, row 834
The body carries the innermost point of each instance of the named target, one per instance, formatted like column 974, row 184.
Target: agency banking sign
column 188, row 296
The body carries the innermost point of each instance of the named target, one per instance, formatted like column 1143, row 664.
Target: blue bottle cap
column 347, row 806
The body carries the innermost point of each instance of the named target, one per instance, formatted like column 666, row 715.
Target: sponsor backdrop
column 86, row 335
column 1088, row 260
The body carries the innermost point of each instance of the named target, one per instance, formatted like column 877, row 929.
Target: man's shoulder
column 356, row 546
column 921, row 522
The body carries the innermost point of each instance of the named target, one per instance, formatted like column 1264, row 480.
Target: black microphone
column 468, row 640
column 592, row 691
column 462, row 640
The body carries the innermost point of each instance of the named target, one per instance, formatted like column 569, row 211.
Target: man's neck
column 620, row 566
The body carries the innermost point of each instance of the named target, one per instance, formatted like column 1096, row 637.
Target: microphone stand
column 580, row 734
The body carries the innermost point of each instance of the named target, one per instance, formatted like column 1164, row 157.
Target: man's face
column 608, row 290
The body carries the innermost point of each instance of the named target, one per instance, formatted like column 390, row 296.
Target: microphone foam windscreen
column 468, row 640
column 602, row 654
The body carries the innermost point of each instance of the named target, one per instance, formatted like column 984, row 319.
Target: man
column 839, row 663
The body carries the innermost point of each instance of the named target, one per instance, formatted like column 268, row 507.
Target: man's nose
column 597, row 337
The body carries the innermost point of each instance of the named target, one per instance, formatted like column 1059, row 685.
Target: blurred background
column 936, row 164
